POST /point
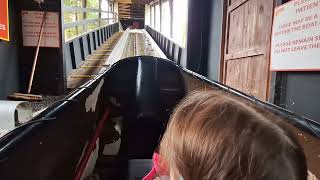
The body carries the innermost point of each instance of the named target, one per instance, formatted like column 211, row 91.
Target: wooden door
column 247, row 46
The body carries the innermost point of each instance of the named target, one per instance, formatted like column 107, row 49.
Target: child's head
column 213, row 137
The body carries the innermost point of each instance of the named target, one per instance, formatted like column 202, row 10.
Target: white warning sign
column 296, row 36
column 31, row 26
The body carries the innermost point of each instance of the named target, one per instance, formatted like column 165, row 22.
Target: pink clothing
column 157, row 170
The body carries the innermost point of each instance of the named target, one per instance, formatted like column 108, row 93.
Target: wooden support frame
column 224, row 27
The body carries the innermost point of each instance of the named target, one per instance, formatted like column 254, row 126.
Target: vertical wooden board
column 243, row 74
column 233, row 1
column 258, row 83
column 236, row 23
column 233, row 70
column 250, row 26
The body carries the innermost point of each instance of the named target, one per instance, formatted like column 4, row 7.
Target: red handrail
column 91, row 146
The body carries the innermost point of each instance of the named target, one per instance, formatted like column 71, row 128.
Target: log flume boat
column 115, row 121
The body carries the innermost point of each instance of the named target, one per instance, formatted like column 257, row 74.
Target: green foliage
column 73, row 32
column 92, row 15
column 73, row 3
column 94, row 4
column 70, row 17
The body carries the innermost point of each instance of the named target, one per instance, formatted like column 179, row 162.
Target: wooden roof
column 134, row 1
column 131, row 11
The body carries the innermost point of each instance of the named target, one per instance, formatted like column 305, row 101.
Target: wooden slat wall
column 247, row 46
column 131, row 11
column 248, row 74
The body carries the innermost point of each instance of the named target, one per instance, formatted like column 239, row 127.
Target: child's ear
column 311, row 176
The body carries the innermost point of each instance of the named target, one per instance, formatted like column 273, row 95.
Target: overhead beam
column 125, row 1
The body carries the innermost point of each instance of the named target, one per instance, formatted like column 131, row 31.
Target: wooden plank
column 92, row 64
column 127, row 16
column 223, row 42
column 246, row 53
column 124, row 1
column 95, row 60
column 109, row 43
column 124, row 5
column 235, row 4
column 131, row 15
column 248, row 75
column 103, row 50
column 96, row 54
column 130, row 11
column 223, row 67
column 82, row 76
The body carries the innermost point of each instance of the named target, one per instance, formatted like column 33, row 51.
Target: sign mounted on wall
column 296, row 36
column 31, row 26
column 4, row 20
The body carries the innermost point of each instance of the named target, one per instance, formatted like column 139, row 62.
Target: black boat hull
column 142, row 91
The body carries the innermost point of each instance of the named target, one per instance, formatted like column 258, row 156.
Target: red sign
column 4, row 20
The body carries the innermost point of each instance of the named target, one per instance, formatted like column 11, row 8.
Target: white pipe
column 12, row 112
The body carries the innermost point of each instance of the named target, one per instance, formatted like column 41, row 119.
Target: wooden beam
column 125, row 1
column 236, row 4
column 142, row 14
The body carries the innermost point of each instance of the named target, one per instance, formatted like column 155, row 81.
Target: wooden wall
column 247, row 46
column 131, row 11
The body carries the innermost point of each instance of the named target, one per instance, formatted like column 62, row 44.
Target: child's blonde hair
column 213, row 137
